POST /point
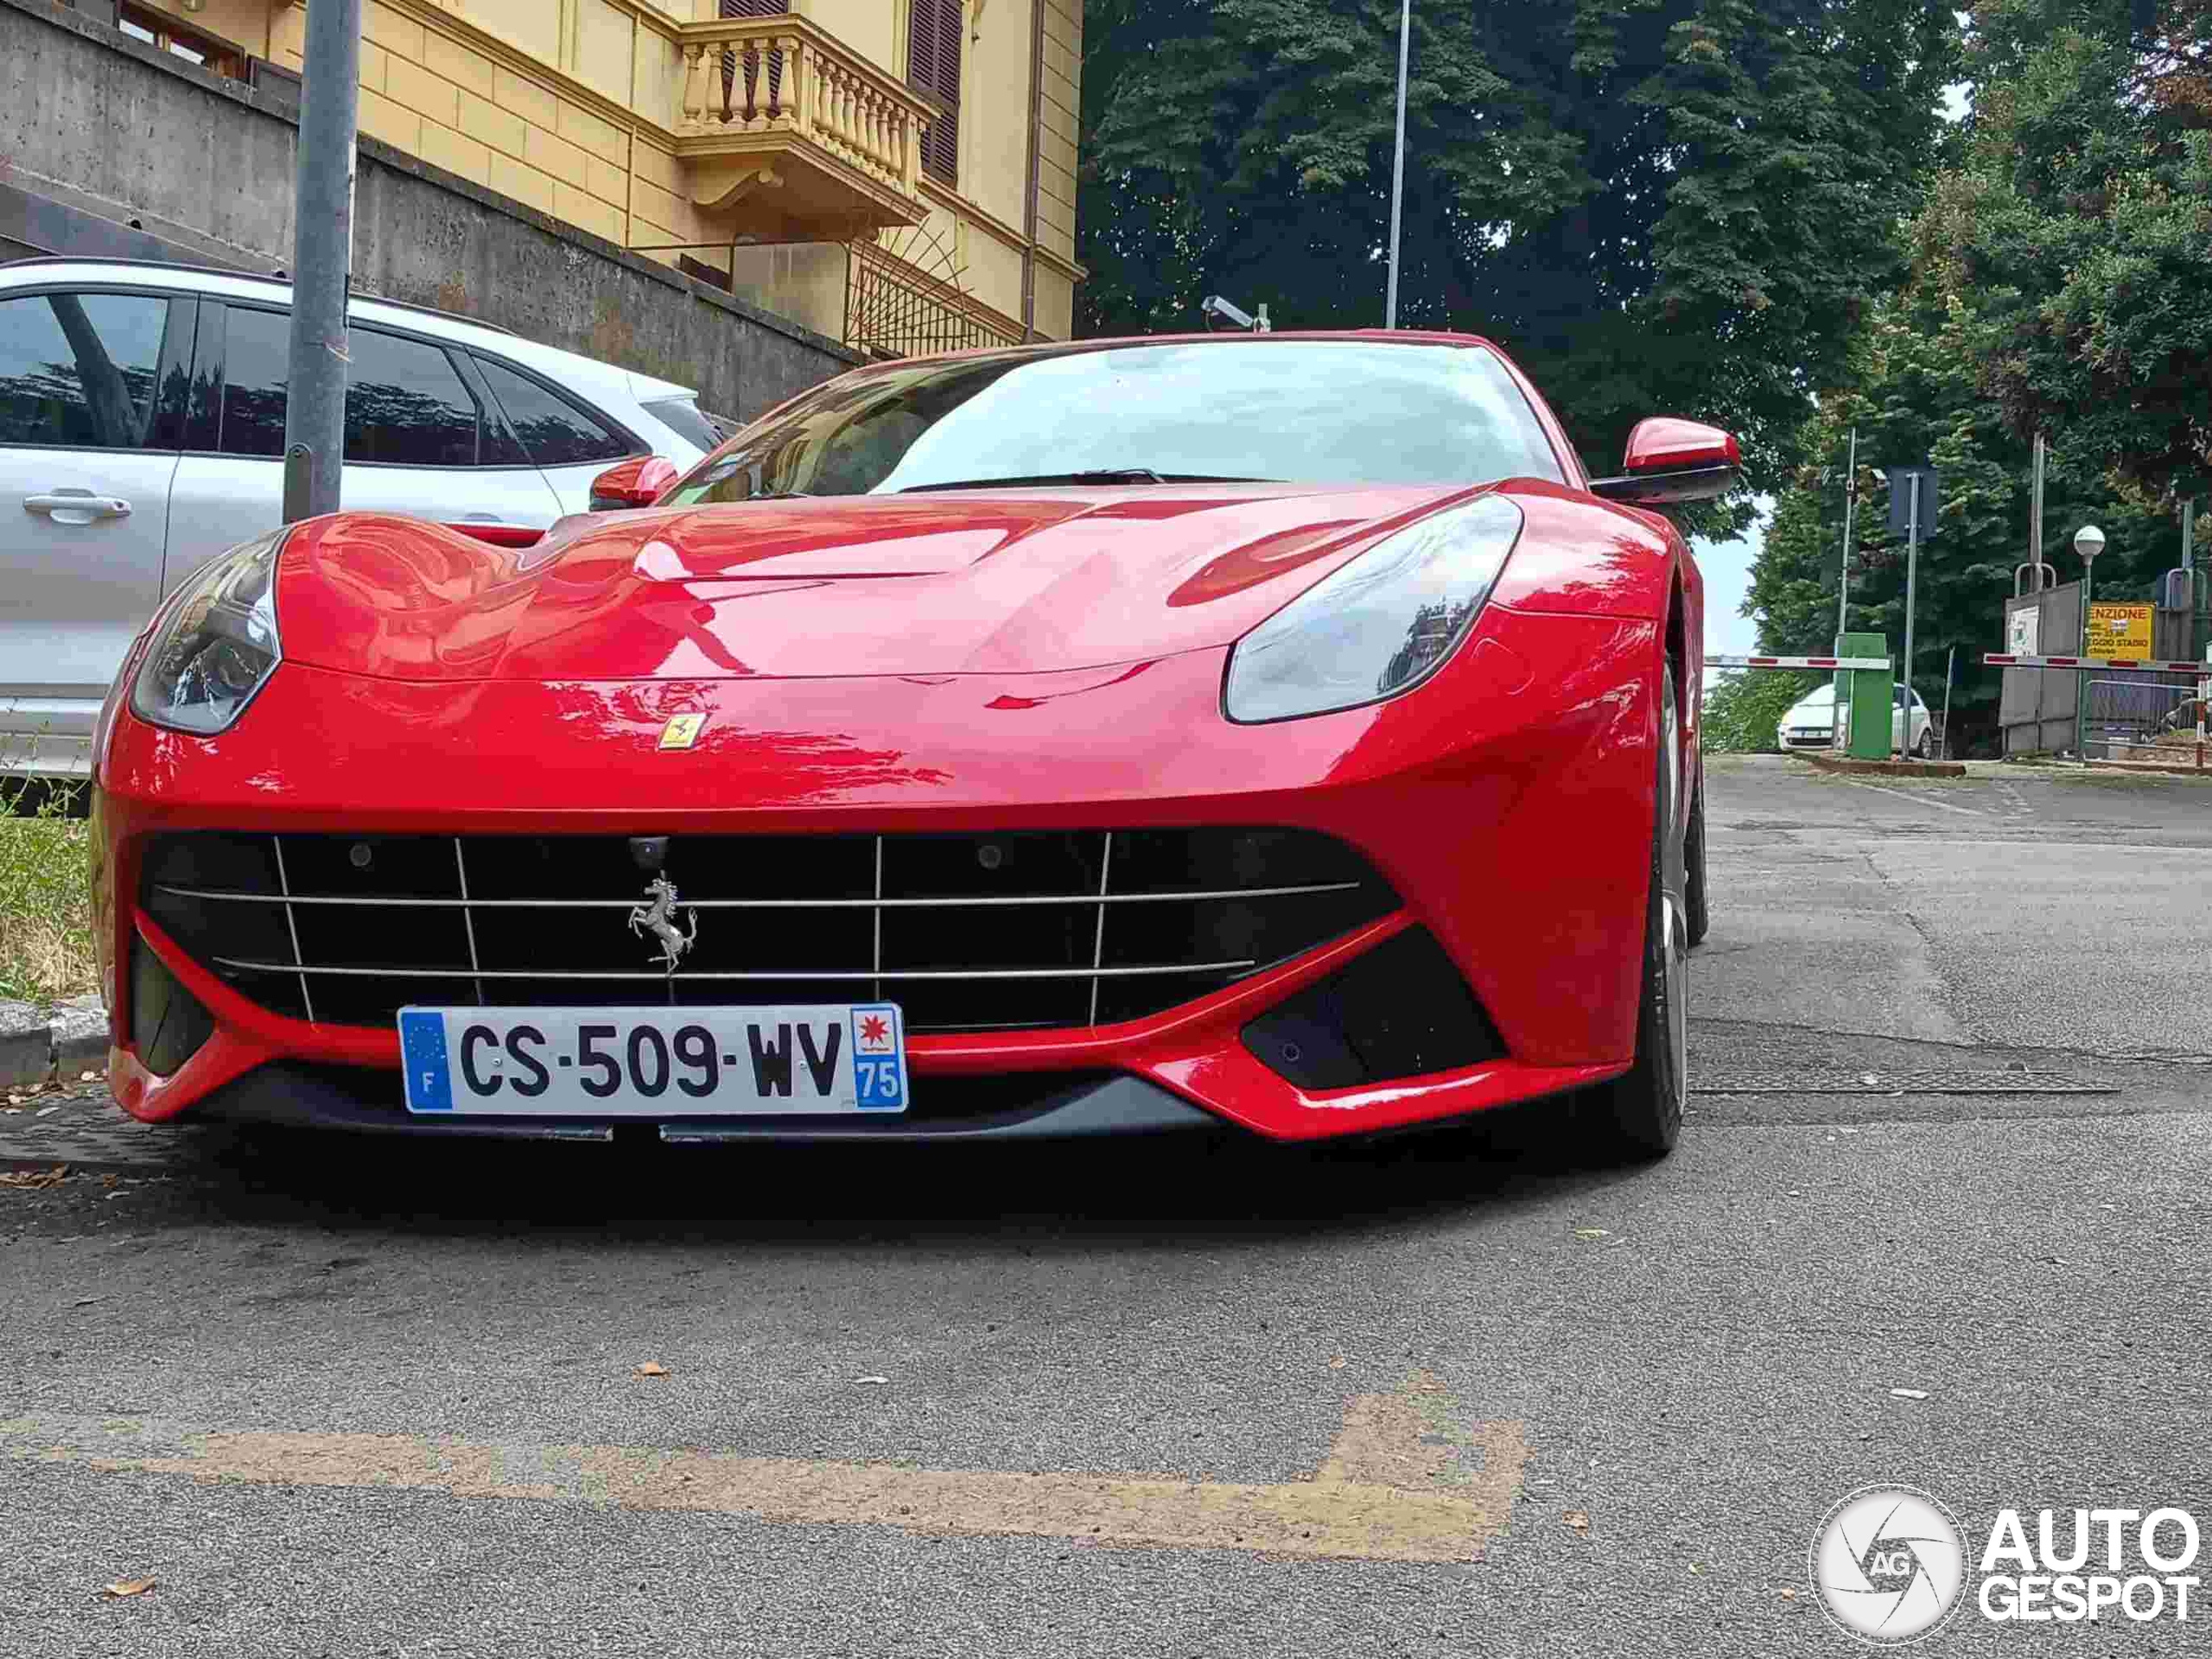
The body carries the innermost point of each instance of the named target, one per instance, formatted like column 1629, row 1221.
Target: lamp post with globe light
column 2089, row 541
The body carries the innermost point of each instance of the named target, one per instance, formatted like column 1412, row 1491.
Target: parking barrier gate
column 1863, row 687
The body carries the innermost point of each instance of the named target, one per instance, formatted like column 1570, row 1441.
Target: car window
column 555, row 431
column 682, row 416
column 82, row 370
column 255, row 346
column 406, row 405
column 1258, row 407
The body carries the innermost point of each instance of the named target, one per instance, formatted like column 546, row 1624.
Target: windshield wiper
column 1102, row 475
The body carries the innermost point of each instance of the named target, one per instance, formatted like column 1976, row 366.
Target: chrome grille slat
column 689, row 976
column 974, row 902
column 1019, row 929
column 467, row 921
column 292, row 926
column 1098, row 939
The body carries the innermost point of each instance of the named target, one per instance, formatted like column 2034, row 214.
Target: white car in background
column 142, row 433
column 1812, row 723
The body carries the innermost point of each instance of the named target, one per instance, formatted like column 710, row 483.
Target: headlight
column 1379, row 626
column 217, row 646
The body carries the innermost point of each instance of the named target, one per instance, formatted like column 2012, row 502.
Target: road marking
column 1905, row 795
column 1406, row 1481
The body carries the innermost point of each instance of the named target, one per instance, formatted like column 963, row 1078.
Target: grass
column 45, row 909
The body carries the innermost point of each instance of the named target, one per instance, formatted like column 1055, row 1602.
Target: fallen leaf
column 1579, row 1520
column 1788, row 1592
column 1910, row 1394
column 46, row 1112
column 86, row 1301
column 1338, row 1362
column 36, row 1180
column 872, row 1382
column 1697, row 1568
column 88, row 1076
column 1592, row 1232
column 652, row 1368
column 123, row 1587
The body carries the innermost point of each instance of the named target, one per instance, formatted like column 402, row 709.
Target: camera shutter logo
column 1889, row 1565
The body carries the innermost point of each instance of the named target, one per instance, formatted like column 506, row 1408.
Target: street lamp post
column 2089, row 541
column 1398, row 163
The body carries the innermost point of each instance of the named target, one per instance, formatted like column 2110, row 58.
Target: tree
column 1679, row 206
column 1914, row 392
column 2076, row 227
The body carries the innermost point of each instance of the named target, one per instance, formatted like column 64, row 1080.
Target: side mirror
column 636, row 482
column 1670, row 461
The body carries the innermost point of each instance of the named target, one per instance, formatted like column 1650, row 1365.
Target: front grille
column 1030, row 929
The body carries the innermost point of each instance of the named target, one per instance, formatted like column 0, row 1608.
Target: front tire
column 1638, row 1115
column 1925, row 748
column 1696, row 912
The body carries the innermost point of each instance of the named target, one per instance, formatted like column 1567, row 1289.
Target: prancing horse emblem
column 657, row 915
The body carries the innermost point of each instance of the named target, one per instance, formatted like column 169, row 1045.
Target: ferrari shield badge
column 657, row 916
column 682, row 731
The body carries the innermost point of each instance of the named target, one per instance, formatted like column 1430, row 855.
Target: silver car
column 142, row 432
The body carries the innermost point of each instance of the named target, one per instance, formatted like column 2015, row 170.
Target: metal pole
column 1850, row 504
column 1398, row 163
column 1911, row 582
column 322, row 247
column 2034, row 516
column 1950, row 672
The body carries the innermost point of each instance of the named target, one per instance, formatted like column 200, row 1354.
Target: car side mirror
column 1670, row 461
column 636, row 482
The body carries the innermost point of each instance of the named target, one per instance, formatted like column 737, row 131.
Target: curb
column 2156, row 770
column 35, row 1046
column 1883, row 768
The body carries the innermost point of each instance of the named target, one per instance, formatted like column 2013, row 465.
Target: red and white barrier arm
column 1796, row 661
column 2123, row 664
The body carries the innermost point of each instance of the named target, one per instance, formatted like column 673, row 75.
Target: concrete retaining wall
column 106, row 144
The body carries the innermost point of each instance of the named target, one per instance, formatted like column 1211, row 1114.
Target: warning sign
column 2117, row 631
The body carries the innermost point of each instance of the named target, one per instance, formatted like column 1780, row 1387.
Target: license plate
column 816, row 1060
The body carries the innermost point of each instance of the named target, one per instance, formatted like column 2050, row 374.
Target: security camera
column 1214, row 305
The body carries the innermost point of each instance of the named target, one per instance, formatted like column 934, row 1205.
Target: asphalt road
column 1438, row 1396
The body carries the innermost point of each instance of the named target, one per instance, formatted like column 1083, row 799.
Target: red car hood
column 941, row 583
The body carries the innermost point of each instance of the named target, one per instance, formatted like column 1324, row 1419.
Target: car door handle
column 73, row 506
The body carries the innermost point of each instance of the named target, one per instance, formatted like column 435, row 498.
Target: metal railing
column 893, row 309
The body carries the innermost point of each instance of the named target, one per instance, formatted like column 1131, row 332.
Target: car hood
column 941, row 583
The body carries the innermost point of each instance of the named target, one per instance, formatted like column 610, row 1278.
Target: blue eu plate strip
column 422, row 1047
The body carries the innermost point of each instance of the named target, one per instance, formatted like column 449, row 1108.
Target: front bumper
column 1508, row 804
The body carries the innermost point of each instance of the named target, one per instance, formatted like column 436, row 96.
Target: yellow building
column 899, row 174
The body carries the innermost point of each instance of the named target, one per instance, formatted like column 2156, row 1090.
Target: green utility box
column 1867, row 693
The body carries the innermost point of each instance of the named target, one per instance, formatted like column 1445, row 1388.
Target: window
column 933, row 41
column 405, row 403
column 682, row 416
column 255, row 346
column 555, row 431
column 215, row 55
column 84, row 371
column 1265, row 406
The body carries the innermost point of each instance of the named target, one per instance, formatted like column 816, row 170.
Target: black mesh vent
column 1400, row 1010
column 1028, row 929
column 168, row 1023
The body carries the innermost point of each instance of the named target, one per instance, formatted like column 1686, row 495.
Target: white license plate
column 820, row 1059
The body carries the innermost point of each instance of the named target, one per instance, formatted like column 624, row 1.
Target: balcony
column 776, row 114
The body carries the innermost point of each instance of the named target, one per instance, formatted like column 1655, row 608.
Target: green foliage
column 46, row 937
column 1915, row 393
column 1678, row 206
column 2075, row 231
column 1742, row 708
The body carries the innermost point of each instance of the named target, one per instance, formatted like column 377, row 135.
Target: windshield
column 1306, row 412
